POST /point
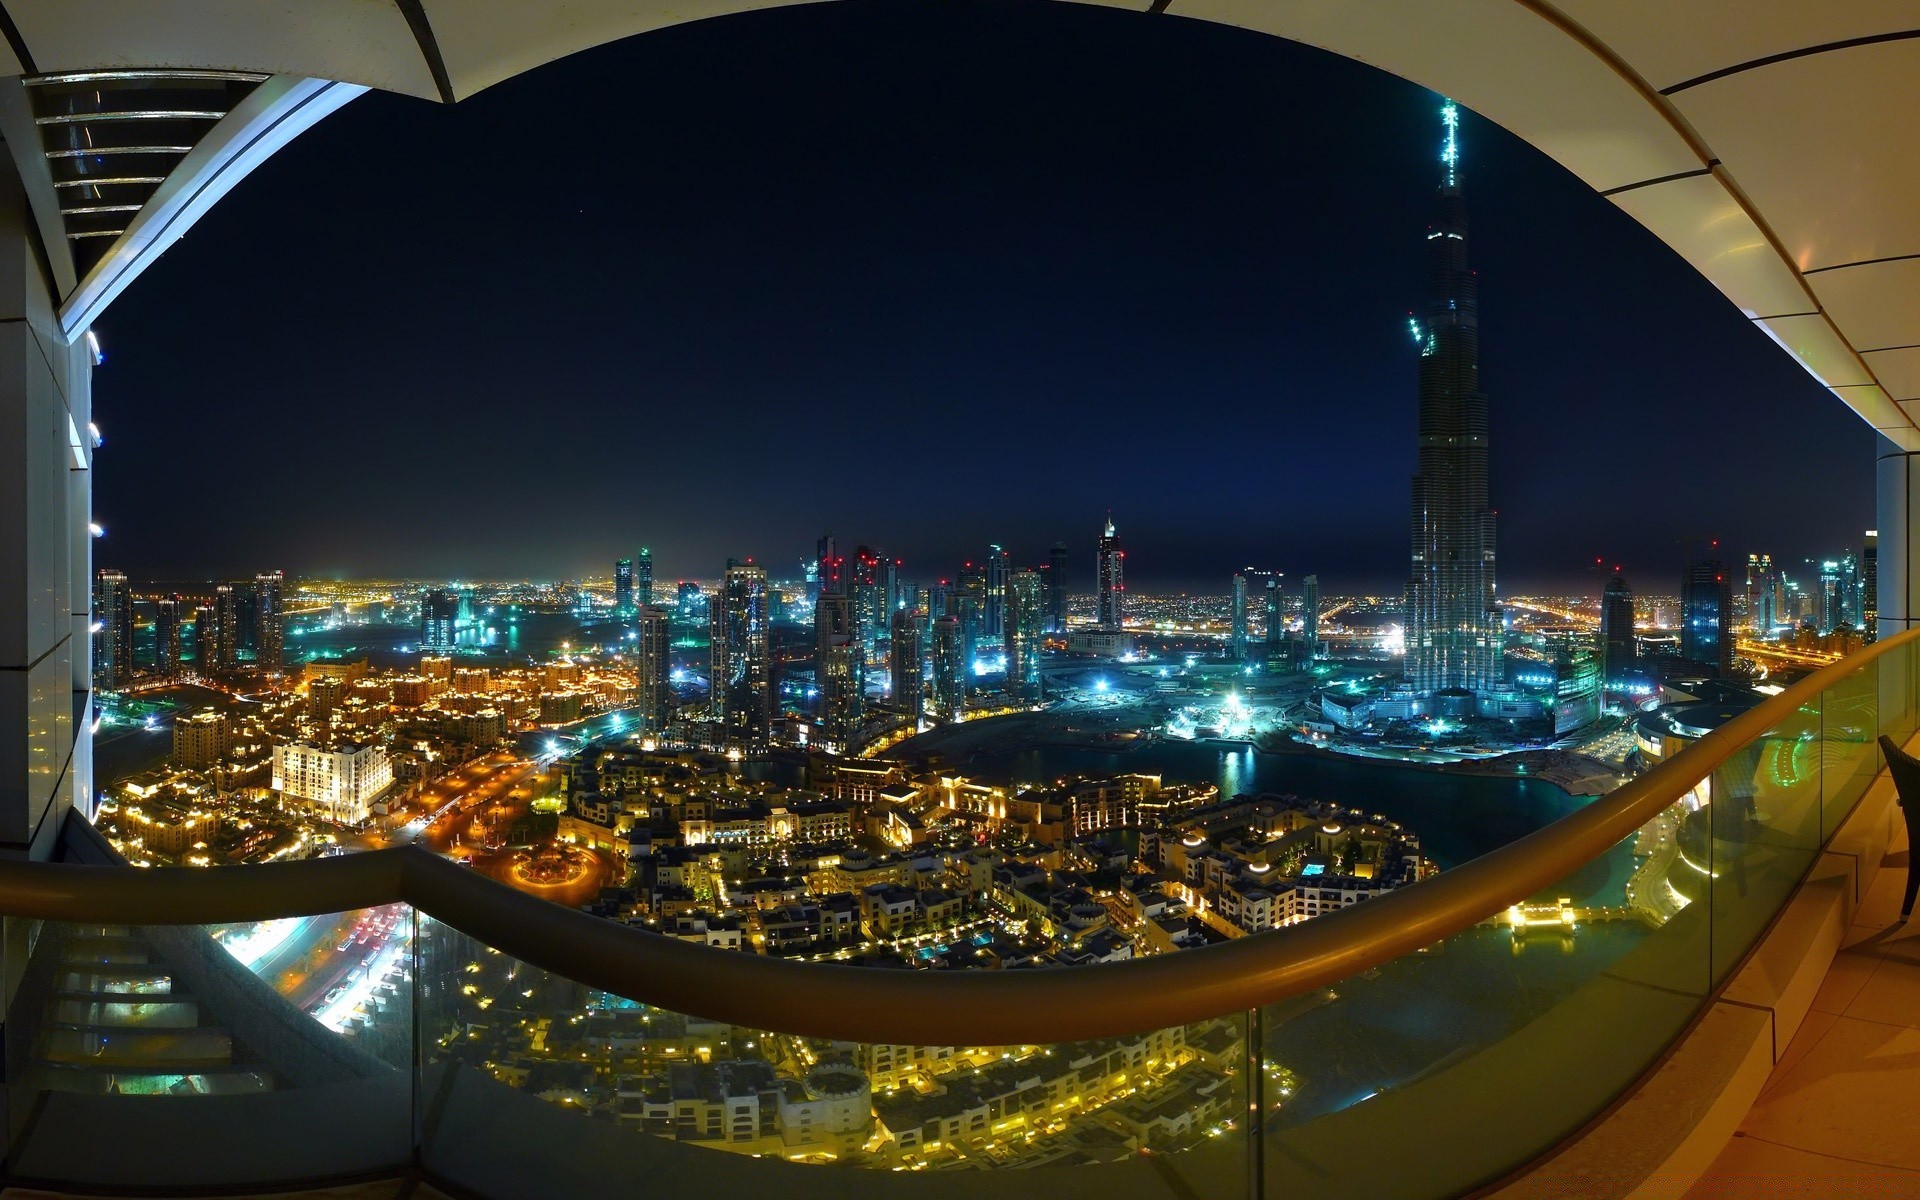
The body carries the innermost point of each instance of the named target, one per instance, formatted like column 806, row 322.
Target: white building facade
column 341, row 782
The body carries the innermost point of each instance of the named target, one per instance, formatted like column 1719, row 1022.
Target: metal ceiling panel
column 1668, row 43
column 1498, row 58
column 1897, row 370
column 357, row 41
column 1875, row 304
column 1702, row 221
column 1812, row 341
column 1827, row 148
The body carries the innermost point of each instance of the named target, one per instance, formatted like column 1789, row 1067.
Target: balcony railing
column 1420, row 1044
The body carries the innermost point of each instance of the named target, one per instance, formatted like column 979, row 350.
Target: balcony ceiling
column 1774, row 144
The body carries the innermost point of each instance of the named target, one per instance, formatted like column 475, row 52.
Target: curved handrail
column 975, row 1008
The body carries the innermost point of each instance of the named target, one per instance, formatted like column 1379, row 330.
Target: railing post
column 1256, row 1122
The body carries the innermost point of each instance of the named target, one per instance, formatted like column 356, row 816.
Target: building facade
column 1025, row 619
column 1453, row 629
column 1706, row 615
column 1618, row 650
column 1110, row 565
column 339, row 781
column 742, row 664
column 270, row 622
column 113, row 631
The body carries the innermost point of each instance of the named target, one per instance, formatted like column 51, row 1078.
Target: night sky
column 928, row 276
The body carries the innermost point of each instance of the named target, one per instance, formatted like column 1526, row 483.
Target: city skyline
column 927, row 280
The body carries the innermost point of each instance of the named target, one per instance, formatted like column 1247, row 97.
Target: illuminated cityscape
column 890, row 627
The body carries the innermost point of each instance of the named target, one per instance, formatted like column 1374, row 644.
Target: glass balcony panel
column 1897, row 681
column 1849, row 755
column 1760, row 831
column 1422, row 1078
column 217, row 1055
column 533, row 1084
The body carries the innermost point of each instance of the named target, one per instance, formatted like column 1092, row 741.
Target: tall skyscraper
column 970, row 605
column 1618, row 650
column 869, row 593
column 1706, row 615
column 1237, row 640
column 623, row 587
column 994, row 625
column 828, row 567
column 1057, row 588
column 1276, row 653
column 839, row 669
column 1025, row 618
column 742, row 666
column 113, row 637
column 203, row 638
column 907, row 674
column 439, row 618
column 225, row 644
column 166, row 637
column 643, row 578
column 1453, row 631
column 270, row 636
column 1110, row 567
column 949, row 670
column 1870, row 585
column 1762, row 614
column 1833, row 596
column 1310, row 616
column 652, row 669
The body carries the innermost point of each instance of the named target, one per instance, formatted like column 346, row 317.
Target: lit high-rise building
column 1706, row 615
column 224, row 645
column 166, row 637
column 439, row 619
column 1453, row 629
column 907, row 674
column 270, row 623
column 1762, row 615
column 949, row 670
column 1237, row 640
column 643, row 578
column 1057, row 588
column 203, row 638
column 622, row 587
column 1110, row 568
column 1025, row 619
column 869, row 593
column 1276, row 645
column 839, row 670
column 1618, row 650
column 1870, row 585
column 1833, row 596
column 742, row 665
column 970, row 605
column 652, row 669
column 994, row 612
column 829, row 567
column 1310, row 616
column 113, row 637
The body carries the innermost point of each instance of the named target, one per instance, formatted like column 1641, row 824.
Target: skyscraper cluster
column 239, row 624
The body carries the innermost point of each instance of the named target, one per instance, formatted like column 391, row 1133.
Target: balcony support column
column 46, row 457
column 1896, row 495
column 1897, row 513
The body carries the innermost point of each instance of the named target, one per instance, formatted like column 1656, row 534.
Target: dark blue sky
column 929, row 276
